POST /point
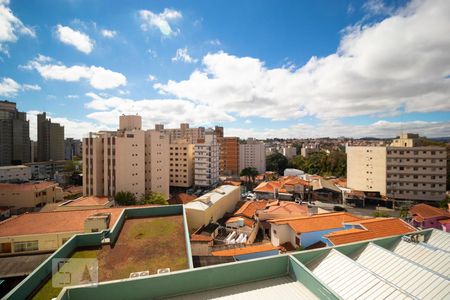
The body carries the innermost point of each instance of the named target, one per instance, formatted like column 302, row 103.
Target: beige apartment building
column 252, row 154
column 192, row 135
column 129, row 159
column 181, row 164
column 206, row 158
column 405, row 170
column 28, row 195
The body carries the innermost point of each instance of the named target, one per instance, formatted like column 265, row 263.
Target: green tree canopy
column 276, row 162
column 125, row 198
column 250, row 173
column 154, row 198
column 333, row 164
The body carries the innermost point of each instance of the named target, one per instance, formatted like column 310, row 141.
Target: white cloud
column 72, row 96
column 72, row 128
column 380, row 129
column 10, row 88
column 81, row 41
column 183, row 55
column 151, row 77
column 400, row 64
column 248, row 121
column 11, row 27
column 160, row 21
column 171, row 112
column 215, row 42
column 98, row 77
column 108, row 33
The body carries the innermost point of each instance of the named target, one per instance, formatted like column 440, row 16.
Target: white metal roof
column 429, row 257
column 209, row 199
column 407, row 275
column 439, row 239
column 277, row 288
column 350, row 280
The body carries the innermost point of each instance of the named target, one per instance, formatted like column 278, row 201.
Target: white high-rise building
column 252, row 154
column 206, row 156
column 129, row 159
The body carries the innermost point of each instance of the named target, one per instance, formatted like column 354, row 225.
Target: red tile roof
column 201, row 238
column 287, row 207
column 53, row 221
column 317, row 222
column 249, row 208
column 182, row 198
column 270, row 187
column 244, row 250
column 18, row 187
column 89, row 201
column 373, row 228
column 422, row 211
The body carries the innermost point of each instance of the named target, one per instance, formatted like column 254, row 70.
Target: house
column 285, row 188
column 426, row 216
column 211, row 206
column 326, row 191
column 282, row 209
column 306, row 231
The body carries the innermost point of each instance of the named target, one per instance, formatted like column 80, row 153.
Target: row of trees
column 127, row 198
column 321, row 163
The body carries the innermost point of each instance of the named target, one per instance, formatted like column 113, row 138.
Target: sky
column 288, row 69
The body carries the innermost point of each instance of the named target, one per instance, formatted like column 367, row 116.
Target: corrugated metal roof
column 350, row 280
column 277, row 288
column 407, row 275
column 431, row 258
column 439, row 239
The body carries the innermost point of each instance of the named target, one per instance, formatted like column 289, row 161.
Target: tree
column 250, row 173
column 444, row 203
column 276, row 162
column 154, row 198
column 125, row 198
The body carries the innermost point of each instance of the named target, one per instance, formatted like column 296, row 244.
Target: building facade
column 129, row 159
column 44, row 170
column 405, row 170
column 229, row 156
column 72, row 148
column 50, row 139
column 14, row 135
column 15, row 173
column 289, row 152
column 206, row 156
column 192, row 135
column 252, row 154
column 28, row 195
column 181, row 164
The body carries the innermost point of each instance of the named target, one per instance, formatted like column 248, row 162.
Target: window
column 26, row 246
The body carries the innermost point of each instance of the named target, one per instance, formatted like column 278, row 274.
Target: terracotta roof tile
column 13, row 187
column 201, row 238
column 425, row 211
column 249, row 208
column 89, row 201
column 446, row 221
column 374, row 228
column 244, row 250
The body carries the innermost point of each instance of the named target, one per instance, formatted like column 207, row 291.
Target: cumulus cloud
column 108, row 33
column 10, row 88
column 73, row 128
column 11, row 27
column 151, row 77
column 81, row 41
column 159, row 21
column 171, row 112
column 400, row 64
column 98, row 77
column 379, row 129
column 183, row 56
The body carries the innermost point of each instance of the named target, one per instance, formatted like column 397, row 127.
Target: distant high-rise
column 14, row 135
column 50, row 139
column 252, row 155
column 72, row 148
column 206, row 161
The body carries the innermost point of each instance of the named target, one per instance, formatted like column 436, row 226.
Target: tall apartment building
column 405, row 170
column 252, row 154
column 206, row 157
column 14, row 135
column 72, row 147
column 191, row 135
column 181, row 164
column 229, row 156
column 289, row 151
column 129, row 159
column 50, row 139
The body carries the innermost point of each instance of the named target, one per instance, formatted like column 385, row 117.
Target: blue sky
column 259, row 68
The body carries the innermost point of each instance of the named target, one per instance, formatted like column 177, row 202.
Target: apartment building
column 72, row 148
column 129, row 159
column 181, row 164
column 229, row 156
column 289, row 152
column 405, row 170
column 15, row 173
column 192, row 135
column 31, row 194
column 14, row 135
column 252, row 154
column 50, row 139
column 206, row 157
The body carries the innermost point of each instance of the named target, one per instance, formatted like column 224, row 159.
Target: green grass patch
column 152, row 229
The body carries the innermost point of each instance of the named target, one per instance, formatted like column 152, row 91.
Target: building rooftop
column 317, row 222
column 13, row 167
column 372, row 229
column 53, row 221
column 249, row 208
column 209, row 199
column 244, row 250
column 286, row 207
column 182, row 198
column 88, row 201
column 28, row 186
column 420, row 212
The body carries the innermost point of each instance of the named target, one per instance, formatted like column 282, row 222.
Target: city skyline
column 266, row 70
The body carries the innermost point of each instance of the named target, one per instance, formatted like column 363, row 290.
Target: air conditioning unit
column 163, row 270
column 139, row 274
